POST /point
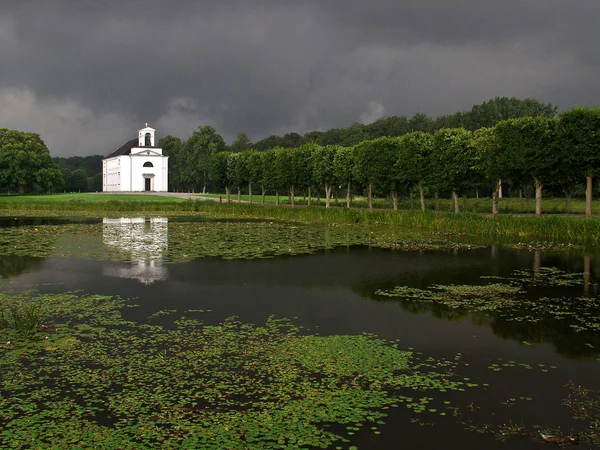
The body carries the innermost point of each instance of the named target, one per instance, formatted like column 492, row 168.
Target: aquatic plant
column 26, row 318
column 185, row 241
column 3, row 319
column 509, row 299
column 98, row 380
column 584, row 405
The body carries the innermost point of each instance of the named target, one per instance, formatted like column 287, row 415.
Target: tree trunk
column 228, row 193
column 336, row 196
column 250, row 192
column 537, row 263
column 586, row 275
column 348, row 193
column 477, row 193
column 262, row 195
column 276, row 198
column 436, row 201
column 521, row 193
column 456, row 208
column 465, row 202
column 309, row 196
column 239, row 195
column 495, row 196
column 370, row 197
column 500, row 189
column 292, row 200
column 588, row 194
column 422, row 195
column 538, row 196
column 327, row 195
column 395, row 200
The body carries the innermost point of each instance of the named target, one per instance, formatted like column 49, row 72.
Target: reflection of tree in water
column 529, row 316
column 574, row 344
column 13, row 266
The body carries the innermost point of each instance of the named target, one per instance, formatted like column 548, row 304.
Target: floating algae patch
column 512, row 299
column 88, row 378
column 542, row 276
column 157, row 239
column 584, row 405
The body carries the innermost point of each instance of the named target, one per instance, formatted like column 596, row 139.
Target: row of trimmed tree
column 562, row 152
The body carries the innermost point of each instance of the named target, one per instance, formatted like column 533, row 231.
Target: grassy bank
column 474, row 205
column 555, row 229
column 93, row 203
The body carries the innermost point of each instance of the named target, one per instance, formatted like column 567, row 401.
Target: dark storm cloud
column 272, row 67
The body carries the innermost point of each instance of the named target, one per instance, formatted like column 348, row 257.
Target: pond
column 181, row 333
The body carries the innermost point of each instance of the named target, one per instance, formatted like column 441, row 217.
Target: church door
column 147, row 181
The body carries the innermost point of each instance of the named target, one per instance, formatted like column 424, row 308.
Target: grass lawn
column 473, row 205
column 85, row 197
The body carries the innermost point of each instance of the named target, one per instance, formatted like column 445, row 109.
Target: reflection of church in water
column 144, row 240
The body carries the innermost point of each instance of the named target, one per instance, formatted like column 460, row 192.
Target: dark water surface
column 332, row 292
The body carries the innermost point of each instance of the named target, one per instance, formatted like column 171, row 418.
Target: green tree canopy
column 374, row 165
column 26, row 164
column 323, row 168
column 197, row 153
column 454, row 161
column 219, row 171
column 172, row 147
column 242, row 142
column 413, row 166
column 526, row 146
column 343, row 169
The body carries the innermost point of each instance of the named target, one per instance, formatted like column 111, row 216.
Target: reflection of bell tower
column 146, row 136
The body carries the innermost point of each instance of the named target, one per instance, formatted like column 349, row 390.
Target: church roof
column 124, row 149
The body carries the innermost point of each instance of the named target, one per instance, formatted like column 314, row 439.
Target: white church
column 136, row 166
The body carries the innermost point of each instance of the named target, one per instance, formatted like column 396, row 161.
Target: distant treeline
column 487, row 114
column 81, row 173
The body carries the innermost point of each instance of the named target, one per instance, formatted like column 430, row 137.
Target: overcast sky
column 87, row 74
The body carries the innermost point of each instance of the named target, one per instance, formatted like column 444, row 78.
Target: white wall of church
column 126, row 173
column 139, row 173
column 111, row 174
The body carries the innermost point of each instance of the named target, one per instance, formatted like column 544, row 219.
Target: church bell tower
column 146, row 137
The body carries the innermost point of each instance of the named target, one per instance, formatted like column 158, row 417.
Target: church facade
column 136, row 166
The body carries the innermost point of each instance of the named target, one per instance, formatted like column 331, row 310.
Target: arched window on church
column 148, row 164
column 148, row 140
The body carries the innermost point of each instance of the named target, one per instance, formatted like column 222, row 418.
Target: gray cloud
column 86, row 75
